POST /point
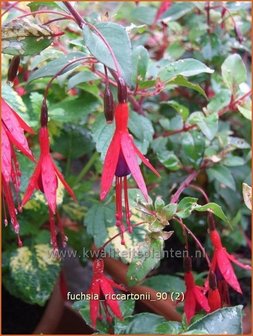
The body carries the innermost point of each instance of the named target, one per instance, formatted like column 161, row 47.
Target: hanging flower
column 12, row 136
column 214, row 299
column 45, row 178
column 122, row 160
column 194, row 297
column 101, row 292
column 221, row 263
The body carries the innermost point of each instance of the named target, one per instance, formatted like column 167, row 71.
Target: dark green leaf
column 181, row 109
column 147, row 259
column 81, row 77
column 214, row 208
column 140, row 59
column 165, row 283
column 186, row 206
column 207, row 124
column 182, row 81
column 51, row 68
column 222, row 175
column 223, row 321
column 193, row 146
column 186, row 67
column 233, row 72
column 116, row 36
column 145, row 323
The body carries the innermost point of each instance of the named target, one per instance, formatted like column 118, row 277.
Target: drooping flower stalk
column 101, row 291
column 122, row 160
column 12, row 137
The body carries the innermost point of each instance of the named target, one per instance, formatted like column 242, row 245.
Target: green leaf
column 147, row 259
column 33, row 272
column 81, row 77
column 177, row 11
column 246, row 109
column 23, row 37
column 233, row 161
column 189, row 204
column 127, row 307
column 75, row 109
column 34, row 6
column 193, row 146
column 182, row 81
column 165, row 283
column 102, row 134
column 222, row 175
column 220, row 100
column 186, row 206
column 223, row 321
column 181, row 109
column 187, row 67
column 140, row 59
column 145, row 323
column 52, row 67
column 233, row 72
column 169, row 160
column 73, row 142
column 207, row 124
column 116, row 36
column 213, row 208
column 99, row 217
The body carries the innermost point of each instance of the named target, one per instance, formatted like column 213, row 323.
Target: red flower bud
column 44, row 114
column 108, row 105
column 122, row 90
column 13, row 68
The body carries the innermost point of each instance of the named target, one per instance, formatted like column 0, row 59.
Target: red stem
column 183, row 185
column 195, row 238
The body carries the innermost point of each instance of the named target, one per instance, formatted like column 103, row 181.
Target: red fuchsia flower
column 194, row 297
column 102, row 292
column 45, row 178
column 221, row 264
column 120, row 161
column 214, row 299
column 12, row 136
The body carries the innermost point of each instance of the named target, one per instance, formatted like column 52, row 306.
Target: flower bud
column 122, row 90
column 44, row 114
column 108, row 105
column 187, row 264
column 13, row 68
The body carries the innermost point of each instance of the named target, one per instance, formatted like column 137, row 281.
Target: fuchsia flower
column 45, row 178
column 12, row 136
column 221, row 263
column 120, row 161
column 194, row 297
column 102, row 289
